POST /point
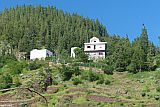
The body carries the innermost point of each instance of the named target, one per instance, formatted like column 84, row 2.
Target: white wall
column 100, row 47
column 72, row 52
column 96, row 55
column 94, row 39
column 89, row 49
column 97, row 47
column 40, row 54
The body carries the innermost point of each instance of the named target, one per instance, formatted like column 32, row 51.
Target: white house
column 73, row 55
column 40, row 54
column 95, row 49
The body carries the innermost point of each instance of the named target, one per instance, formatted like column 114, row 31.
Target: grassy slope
column 124, row 86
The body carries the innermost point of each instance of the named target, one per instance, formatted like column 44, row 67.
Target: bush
column 107, row 82
column 93, row 76
column 156, row 97
column 16, row 81
column 80, row 55
column 18, row 67
column 14, row 67
column 76, row 70
column 108, row 70
column 121, row 104
column 158, row 89
column 5, row 81
column 132, row 68
column 55, row 82
column 143, row 94
column 77, row 81
column 35, row 65
column 66, row 73
column 101, row 80
column 128, row 97
column 6, row 59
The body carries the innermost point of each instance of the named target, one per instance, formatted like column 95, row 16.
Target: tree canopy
column 26, row 27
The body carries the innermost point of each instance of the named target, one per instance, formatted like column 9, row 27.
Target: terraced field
column 126, row 90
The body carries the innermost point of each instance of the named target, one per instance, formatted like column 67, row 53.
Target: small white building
column 95, row 49
column 40, row 54
column 73, row 55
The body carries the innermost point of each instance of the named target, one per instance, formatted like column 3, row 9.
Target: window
column 101, row 53
column 88, row 46
column 94, row 41
column 94, row 47
column 47, row 55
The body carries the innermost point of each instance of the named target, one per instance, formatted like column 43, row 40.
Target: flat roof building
column 40, row 54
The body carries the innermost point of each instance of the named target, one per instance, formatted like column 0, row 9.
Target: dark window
column 47, row 55
column 94, row 47
column 94, row 41
column 88, row 46
column 101, row 53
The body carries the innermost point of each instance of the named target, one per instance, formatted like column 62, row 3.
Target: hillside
column 28, row 27
column 102, row 90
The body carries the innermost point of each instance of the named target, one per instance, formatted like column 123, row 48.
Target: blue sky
column 119, row 16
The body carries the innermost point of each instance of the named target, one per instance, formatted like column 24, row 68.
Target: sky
column 120, row 17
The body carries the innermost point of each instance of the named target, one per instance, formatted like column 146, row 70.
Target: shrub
column 158, row 89
column 143, row 94
column 108, row 70
column 107, row 82
column 132, row 68
column 33, row 65
column 14, row 67
column 18, row 67
column 5, row 81
column 128, row 97
column 76, row 70
column 16, row 81
column 92, row 76
column 66, row 73
column 156, row 97
column 121, row 104
column 7, row 59
column 80, row 55
column 55, row 82
column 77, row 81
column 101, row 80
